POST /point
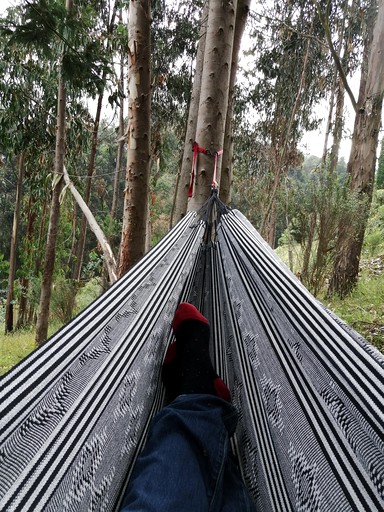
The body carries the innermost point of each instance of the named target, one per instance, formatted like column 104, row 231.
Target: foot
column 187, row 366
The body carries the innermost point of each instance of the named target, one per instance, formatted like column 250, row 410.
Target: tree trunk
column 243, row 7
column 120, row 145
column 135, row 218
column 308, row 249
column 213, row 104
column 12, row 257
column 109, row 259
column 362, row 160
column 50, row 251
column 328, row 217
column 22, row 317
column 87, row 193
column 180, row 202
column 281, row 160
column 91, row 162
column 72, row 255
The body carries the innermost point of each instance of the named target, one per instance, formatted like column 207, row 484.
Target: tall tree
column 120, row 135
column 287, row 115
column 135, row 218
column 12, row 257
column 243, row 7
column 380, row 169
column 213, row 104
column 328, row 216
column 57, row 187
column 180, row 202
column 110, row 25
column 362, row 160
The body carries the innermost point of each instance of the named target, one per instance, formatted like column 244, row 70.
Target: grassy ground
column 364, row 308
column 15, row 346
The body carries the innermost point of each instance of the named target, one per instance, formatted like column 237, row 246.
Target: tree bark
column 362, row 160
column 22, row 317
column 87, row 194
column 133, row 238
column 50, row 251
column 213, row 104
column 91, row 162
column 120, row 146
column 328, row 218
column 243, row 7
column 12, row 256
column 180, row 202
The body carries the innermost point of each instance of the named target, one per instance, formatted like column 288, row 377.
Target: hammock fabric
column 309, row 390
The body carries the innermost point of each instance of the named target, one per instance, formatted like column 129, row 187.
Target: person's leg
column 186, row 464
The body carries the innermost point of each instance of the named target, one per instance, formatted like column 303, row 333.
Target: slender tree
column 243, row 7
column 120, row 139
column 380, row 169
column 12, row 257
column 180, row 202
column 92, row 156
column 135, row 218
column 362, row 160
column 57, row 187
column 213, row 104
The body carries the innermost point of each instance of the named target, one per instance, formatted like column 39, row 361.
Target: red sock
column 187, row 366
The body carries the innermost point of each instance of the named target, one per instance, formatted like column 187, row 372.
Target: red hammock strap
column 197, row 149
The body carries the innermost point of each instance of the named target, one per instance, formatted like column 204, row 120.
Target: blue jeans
column 187, row 464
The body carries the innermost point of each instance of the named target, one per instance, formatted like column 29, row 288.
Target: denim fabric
column 186, row 464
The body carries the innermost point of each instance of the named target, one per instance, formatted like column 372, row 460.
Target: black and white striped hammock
column 309, row 390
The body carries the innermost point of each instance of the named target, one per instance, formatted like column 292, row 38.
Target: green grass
column 17, row 345
column 363, row 309
column 14, row 347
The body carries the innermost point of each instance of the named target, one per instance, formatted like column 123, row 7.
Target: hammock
column 309, row 390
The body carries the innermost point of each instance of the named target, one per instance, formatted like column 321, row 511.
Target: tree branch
column 324, row 18
column 106, row 248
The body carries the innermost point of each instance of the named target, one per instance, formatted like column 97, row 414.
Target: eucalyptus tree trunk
column 50, row 249
column 180, row 202
column 120, row 146
column 58, row 182
column 22, row 317
column 213, row 104
column 109, row 259
column 12, row 256
column 328, row 216
column 362, row 160
column 87, row 193
column 91, row 162
column 243, row 7
column 135, row 218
